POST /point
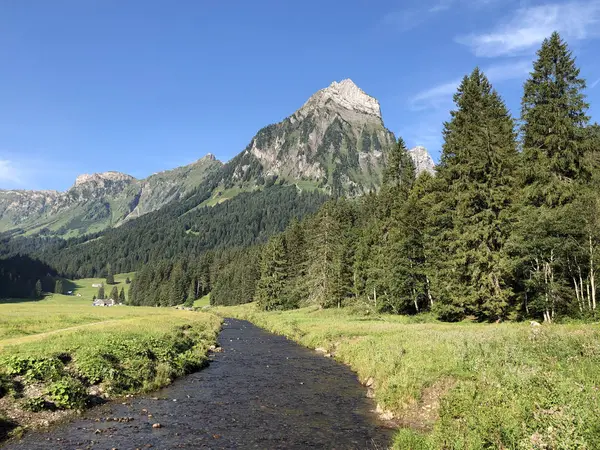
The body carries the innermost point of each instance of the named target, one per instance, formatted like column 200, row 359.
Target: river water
column 262, row 391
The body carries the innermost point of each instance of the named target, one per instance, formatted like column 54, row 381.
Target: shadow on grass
column 19, row 300
column 6, row 426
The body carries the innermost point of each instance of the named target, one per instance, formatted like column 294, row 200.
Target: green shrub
column 68, row 393
column 35, row 404
column 33, row 369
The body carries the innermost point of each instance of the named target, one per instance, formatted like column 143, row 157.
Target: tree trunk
column 414, row 293
column 429, row 297
column 579, row 299
column 592, row 274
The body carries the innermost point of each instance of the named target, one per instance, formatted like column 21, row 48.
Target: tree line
column 24, row 277
column 508, row 228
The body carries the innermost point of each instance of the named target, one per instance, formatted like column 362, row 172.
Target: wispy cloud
column 529, row 26
column 9, row 174
column 440, row 96
column 595, row 83
column 435, row 96
column 411, row 17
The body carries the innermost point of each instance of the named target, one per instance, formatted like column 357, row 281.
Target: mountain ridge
column 335, row 142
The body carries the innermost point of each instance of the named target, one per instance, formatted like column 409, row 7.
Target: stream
column 262, row 391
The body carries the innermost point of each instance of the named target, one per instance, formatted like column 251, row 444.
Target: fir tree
column 101, row 292
column 127, row 280
column 122, row 296
column 114, row 293
column 38, row 289
column 476, row 182
column 407, row 262
column 178, row 286
column 553, row 116
column 58, row 287
column 192, row 292
column 329, row 273
column 110, row 278
column 555, row 166
column 270, row 289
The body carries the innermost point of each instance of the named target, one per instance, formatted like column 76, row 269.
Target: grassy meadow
column 465, row 385
column 61, row 353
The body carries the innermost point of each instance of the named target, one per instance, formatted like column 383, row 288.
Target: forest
column 179, row 231
column 506, row 230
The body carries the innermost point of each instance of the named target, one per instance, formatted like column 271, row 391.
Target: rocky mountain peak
column 422, row 159
column 207, row 157
column 345, row 94
column 101, row 178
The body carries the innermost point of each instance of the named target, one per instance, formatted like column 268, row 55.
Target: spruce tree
column 110, row 278
column 177, row 286
column 476, row 188
column 122, row 296
column 101, row 292
column 38, row 289
column 114, row 294
column 127, row 280
column 329, row 276
column 58, row 287
column 407, row 262
column 553, row 116
column 271, row 287
column 191, row 296
column 555, row 167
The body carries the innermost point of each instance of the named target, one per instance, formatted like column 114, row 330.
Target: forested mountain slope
column 179, row 230
column 98, row 201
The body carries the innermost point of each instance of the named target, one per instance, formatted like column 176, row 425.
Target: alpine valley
column 335, row 144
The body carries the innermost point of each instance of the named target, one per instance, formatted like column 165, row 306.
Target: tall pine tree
column 555, row 166
column 475, row 190
column 271, row 287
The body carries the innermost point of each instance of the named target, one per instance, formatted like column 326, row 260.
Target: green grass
column 19, row 318
column 202, row 302
column 222, row 195
column 61, row 352
column 466, row 385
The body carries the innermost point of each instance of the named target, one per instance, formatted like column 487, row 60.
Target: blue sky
column 140, row 86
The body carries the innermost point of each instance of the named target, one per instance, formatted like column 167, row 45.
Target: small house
column 104, row 302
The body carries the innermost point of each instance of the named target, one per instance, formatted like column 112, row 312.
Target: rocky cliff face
column 335, row 141
column 98, row 200
column 422, row 159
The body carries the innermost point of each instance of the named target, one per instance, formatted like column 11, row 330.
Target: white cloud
column 411, row 17
column 595, row 83
column 434, row 97
column 529, row 26
column 440, row 96
column 9, row 173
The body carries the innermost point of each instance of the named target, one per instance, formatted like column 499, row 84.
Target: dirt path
column 35, row 337
column 263, row 391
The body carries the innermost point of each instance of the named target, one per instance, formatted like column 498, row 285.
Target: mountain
column 422, row 159
column 335, row 143
column 98, row 201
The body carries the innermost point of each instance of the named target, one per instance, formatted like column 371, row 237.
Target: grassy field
column 29, row 317
column 466, row 385
column 203, row 301
column 61, row 353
